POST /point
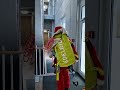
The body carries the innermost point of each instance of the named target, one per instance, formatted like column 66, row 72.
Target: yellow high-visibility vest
column 90, row 73
column 64, row 52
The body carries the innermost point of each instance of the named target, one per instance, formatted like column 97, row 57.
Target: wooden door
column 26, row 28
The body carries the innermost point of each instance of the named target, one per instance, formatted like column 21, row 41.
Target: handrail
column 39, row 60
column 39, row 48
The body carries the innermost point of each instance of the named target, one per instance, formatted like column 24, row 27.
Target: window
column 83, row 12
column 83, row 48
column 82, row 37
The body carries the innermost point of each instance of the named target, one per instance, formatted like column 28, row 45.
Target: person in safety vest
column 65, row 56
column 94, row 70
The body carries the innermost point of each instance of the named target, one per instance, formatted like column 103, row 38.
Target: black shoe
column 66, row 88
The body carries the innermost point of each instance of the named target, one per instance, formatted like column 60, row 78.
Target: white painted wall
column 67, row 9
column 115, row 66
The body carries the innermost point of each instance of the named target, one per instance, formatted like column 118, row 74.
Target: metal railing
column 3, row 53
column 40, row 62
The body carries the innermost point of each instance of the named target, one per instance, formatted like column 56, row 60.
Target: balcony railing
column 4, row 53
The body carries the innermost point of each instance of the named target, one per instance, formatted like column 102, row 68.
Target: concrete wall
column 8, row 24
column 39, row 23
column 66, row 9
column 115, row 75
column 9, row 38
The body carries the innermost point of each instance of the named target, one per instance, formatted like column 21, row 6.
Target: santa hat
column 58, row 29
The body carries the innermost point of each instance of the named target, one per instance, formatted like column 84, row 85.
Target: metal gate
column 11, row 64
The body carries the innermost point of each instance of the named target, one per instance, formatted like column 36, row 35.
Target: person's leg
column 66, row 78
column 60, row 83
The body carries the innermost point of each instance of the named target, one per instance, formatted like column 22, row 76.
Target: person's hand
column 77, row 61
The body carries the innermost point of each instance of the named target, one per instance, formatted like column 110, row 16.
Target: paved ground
column 49, row 83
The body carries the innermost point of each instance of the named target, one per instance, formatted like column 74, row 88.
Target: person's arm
column 74, row 50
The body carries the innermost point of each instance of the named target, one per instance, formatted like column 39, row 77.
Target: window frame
column 81, row 41
column 80, row 21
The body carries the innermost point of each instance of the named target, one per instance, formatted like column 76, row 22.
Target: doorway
column 27, row 42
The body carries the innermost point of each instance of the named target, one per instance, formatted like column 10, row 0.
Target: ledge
column 50, row 17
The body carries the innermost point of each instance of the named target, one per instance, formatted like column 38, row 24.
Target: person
column 94, row 69
column 65, row 55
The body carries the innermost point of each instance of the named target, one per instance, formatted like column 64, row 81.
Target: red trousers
column 64, row 79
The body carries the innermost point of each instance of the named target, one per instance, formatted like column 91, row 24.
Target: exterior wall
column 66, row 9
column 8, row 24
column 115, row 75
column 39, row 23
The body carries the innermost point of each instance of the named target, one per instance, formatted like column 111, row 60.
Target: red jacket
column 75, row 52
